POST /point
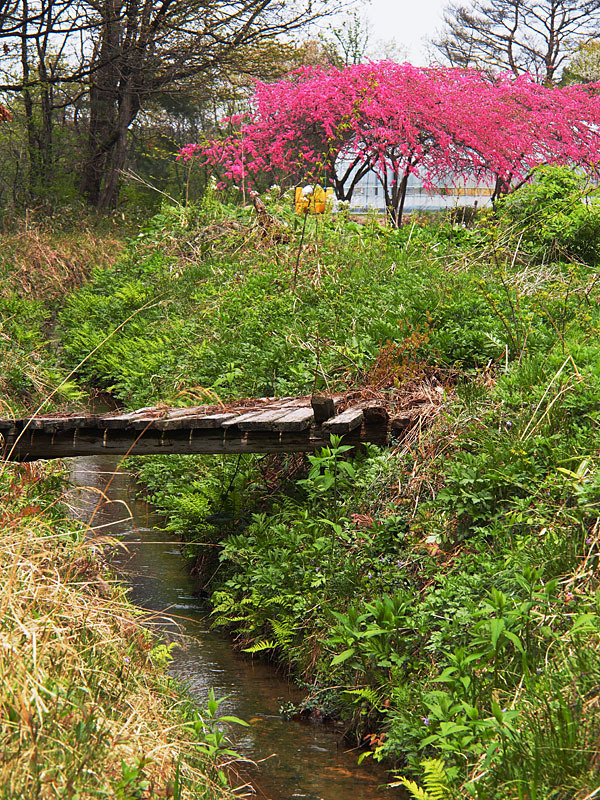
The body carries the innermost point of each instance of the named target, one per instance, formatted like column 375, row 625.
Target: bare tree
column 348, row 42
column 120, row 55
column 535, row 36
column 150, row 46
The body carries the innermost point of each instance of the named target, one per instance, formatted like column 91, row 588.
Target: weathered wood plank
column 265, row 420
column 323, row 407
column 298, row 420
column 345, row 422
column 207, row 422
column 55, row 423
column 126, row 421
column 188, row 411
column 401, row 424
column 119, row 419
column 375, row 415
column 252, row 415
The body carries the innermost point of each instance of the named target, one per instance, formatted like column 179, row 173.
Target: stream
column 294, row 759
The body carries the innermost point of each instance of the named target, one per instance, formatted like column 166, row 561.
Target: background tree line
column 94, row 86
column 100, row 88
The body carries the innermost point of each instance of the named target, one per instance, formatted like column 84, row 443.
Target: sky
column 408, row 22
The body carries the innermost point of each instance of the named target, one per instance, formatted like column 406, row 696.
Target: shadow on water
column 295, row 760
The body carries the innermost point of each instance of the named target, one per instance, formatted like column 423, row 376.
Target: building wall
column 369, row 194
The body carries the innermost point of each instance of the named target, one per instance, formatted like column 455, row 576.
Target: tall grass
column 45, row 257
column 84, row 711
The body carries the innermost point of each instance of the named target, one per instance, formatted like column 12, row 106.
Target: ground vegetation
column 441, row 595
column 87, row 708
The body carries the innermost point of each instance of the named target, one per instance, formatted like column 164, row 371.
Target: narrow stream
column 295, row 759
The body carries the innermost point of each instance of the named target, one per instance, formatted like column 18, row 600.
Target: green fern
column 435, row 780
column 222, row 622
column 279, row 601
column 365, row 693
column 264, row 644
column 283, row 630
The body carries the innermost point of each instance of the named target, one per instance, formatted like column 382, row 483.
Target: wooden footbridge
column 266, row 425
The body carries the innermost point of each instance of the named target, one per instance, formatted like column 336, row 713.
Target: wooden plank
column 207, row 422
column 252, row 414
column 401, row 423
column 143, row 423
column 51, row 424
column 298, row 420
column 120, row 419
column 189, row 411
column 375, row 415
column 345, row 422
column 125, row 421
column 265, row 420
column 323, row 407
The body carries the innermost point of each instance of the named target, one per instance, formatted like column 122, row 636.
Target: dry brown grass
column 79, row 694
column 43, row 262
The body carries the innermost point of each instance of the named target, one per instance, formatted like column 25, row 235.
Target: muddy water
column 294, row 759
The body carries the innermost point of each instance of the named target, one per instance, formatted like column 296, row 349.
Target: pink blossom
column 445, row 124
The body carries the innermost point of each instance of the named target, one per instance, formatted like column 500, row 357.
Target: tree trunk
column 103, row 133
column 109, row 194
column 31, row 172
column 45, row 139
column 395, row 195
column 399, row 198
column 354, row 173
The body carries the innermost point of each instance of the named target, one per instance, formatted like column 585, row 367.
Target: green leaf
column 446, row 673
column 497, row 712
column 585, row 622
column 343, row 656
column 496, row 628
column 449, row 728
column 234, row 720
column 512, row 637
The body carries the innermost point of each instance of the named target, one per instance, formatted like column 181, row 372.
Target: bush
column 555, row 216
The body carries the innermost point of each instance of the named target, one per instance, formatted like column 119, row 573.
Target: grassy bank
column 449, row 585
column 43, row 258
column 86, row 708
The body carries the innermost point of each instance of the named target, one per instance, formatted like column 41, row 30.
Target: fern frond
column 366, row 693
column 224, row 621
column 285, row 600
column 284, row 632
column 264, row 644
column 416, row 792
column 435, row 778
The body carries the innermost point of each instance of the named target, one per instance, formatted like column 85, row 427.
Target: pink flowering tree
column 301, row 127
column 506, row 127
column 334, row 125
column 408, row 127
